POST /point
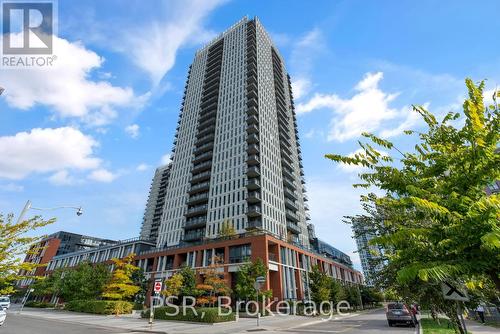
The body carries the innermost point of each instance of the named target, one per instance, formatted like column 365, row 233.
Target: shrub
column 38, row 304
column 203, row 314
column 99, row 306
column 138, row 306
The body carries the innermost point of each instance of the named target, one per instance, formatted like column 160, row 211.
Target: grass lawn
column 432, row 327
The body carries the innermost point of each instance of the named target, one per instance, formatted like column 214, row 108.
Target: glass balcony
column 253, row 139
column 197, row 211
column 253, row 149
column 200, row 198
column 253, row 111
column 253, row 171
column 253, row 160
column 201, row 167
column 292, row 227
column 254, row 211
column 195, row 222
column 253, row 129
column 253, row 120
column 253, row 184
column 194, row 236
column 253, row 197
column 291, row 216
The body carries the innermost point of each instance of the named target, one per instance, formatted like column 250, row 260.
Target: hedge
column 203, row 314
column 99, row 306
column 38, row 304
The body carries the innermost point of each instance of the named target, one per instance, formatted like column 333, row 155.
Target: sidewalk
column 130, row 323
column 476, row 328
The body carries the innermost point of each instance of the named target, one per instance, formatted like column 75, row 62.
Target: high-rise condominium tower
column 154, row 207
column 237, row 158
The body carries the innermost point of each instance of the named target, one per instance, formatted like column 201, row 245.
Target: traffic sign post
column 259, row 281
column 158, row 285
column 452, row 292
column 457, row 294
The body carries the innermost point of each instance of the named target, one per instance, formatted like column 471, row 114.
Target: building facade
column 237, row 157
column 154, row 206
column 57, row 244
column 236, row 160
column 368, row 254
column 288, row 264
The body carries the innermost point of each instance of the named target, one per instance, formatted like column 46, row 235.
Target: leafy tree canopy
column 14, row 244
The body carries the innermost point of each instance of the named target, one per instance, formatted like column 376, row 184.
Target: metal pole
column 360, row 299
column 27, row 206
column 461, row 316
column 258, row 310
column 25, row 299
column 152, row 310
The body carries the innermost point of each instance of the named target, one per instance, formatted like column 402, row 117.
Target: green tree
column 142, row 282
column 188, row 281
column 336, row 291
column 49, row 285
column 320, row 285
column 14, row 244
column 121, row 286
column 173, row 285
column 370, row 295
column 246, row 278
column 227, row 230
column 84, row 282
column 438, row 222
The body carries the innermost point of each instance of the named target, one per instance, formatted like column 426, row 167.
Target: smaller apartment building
column 288, row 264
column 57, row 244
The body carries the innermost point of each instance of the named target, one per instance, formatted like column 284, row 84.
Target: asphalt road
column 19, row 324
column 372, row 323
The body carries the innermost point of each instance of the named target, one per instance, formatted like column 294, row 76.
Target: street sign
column 259, row 281
column 157, row 287
column 452, row 292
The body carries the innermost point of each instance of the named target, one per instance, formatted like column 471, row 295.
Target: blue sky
column 91, row 130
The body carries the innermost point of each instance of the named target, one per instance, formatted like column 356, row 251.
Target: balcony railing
column 253, row 197
column 253, row 184
column 254, row 211
column 253, row 171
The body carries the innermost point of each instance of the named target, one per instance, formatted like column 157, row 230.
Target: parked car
column 4, row 302
column 3, row 315
column 399, row 313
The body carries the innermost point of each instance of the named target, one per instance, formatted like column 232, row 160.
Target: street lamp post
column 27, row 207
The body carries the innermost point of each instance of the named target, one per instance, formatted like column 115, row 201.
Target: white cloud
column 368, row 110
column 62, row 178
column 102, row 175
column 46, row 150
column 153, row 48
column 304, row 51
column 166, row 159
column 11, row 187
column 300, row 87
column 142, row 167
column 488, row 96
column 67, row 87
column 132, row 130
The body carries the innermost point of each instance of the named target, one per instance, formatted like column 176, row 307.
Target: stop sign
column 157, row 287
